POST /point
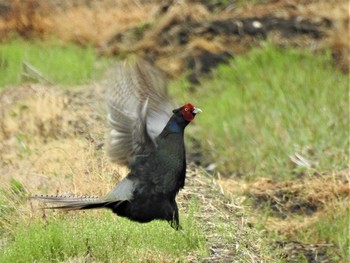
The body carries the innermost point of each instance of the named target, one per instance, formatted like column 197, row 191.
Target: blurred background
column 272, row 79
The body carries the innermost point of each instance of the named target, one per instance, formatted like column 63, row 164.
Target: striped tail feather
column 72, row 202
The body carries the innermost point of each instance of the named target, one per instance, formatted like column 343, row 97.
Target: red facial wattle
column 187, row 112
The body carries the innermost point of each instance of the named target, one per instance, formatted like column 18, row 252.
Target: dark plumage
column 144, row 135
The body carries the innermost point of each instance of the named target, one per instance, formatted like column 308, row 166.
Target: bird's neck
column 171, row 139
column 176, row 124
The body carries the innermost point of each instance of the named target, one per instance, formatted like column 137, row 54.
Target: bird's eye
column 186, row 109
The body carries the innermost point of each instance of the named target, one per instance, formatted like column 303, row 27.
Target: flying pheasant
column 149, row 139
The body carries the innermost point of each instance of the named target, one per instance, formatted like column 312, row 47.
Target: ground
column 52, row 143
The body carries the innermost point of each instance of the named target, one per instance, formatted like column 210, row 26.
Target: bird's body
column 154, row 152
column 156, row 179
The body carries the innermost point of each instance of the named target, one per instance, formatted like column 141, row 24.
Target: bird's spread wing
column 138, row 110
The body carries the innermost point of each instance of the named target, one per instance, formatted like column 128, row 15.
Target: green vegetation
column 332, row 228
column 268, row 105
column 10, row 200
column 103, row 237
column 68, row 64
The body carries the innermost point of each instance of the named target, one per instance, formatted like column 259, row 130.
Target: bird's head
column 187, row 111
column 181, row 117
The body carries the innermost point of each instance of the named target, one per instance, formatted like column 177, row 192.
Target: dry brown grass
column 80, row 23
column 26, row 18
column 100, row 23
column 85, row 25
column 323, row 194
column 50, row 143
column 47, row 135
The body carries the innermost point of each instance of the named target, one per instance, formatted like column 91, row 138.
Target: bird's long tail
column 68, row 203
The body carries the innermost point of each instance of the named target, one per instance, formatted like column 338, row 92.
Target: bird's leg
column 174, row 223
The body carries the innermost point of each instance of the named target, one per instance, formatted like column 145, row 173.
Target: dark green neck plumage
column 176, row 124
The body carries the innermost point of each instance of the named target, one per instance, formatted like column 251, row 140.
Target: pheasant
column 148, row 136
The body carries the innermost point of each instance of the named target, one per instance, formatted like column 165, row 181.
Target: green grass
column 104, row 237
column 59, row 64
column 269, row 104
column 332, row 228
column 10, row 199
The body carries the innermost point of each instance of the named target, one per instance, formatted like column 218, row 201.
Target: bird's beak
column 196, row 110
